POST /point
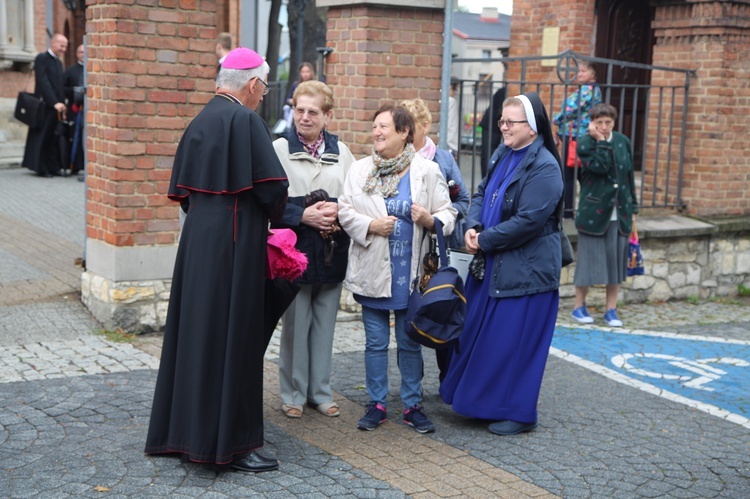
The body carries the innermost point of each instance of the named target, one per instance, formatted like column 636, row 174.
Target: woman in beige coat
column 316, row 163
column 389, row 199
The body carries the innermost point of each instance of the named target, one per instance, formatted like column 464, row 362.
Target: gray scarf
column 384, row 175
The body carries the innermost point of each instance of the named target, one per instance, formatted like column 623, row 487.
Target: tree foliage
column 274, row 40
column 313, row 34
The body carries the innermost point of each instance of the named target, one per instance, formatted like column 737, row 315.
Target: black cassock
column 42, row 151
column 73, row 141
column 208, row 402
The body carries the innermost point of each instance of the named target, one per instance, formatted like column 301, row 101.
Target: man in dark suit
column 74, row 93
column 491, row 133
column 223, row 47
column 42, row 153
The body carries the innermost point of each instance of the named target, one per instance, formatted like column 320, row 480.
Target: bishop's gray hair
column 235, row 79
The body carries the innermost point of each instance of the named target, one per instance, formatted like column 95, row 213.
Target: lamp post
column 322, row 55
column 72, row 5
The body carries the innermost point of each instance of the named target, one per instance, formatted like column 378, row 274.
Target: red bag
column 572, row 160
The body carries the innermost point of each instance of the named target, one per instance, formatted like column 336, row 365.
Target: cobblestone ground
column 74, row 404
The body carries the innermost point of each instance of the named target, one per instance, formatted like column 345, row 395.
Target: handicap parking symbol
column 706, row 373
column 702, row 370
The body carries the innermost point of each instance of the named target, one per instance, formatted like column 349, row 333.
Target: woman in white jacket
column 389, row 199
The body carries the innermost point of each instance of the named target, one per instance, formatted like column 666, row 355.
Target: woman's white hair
column 235, row 79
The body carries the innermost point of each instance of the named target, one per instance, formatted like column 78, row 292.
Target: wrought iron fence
column 271, row 109
column 652, row 103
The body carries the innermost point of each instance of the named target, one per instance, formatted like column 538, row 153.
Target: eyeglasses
column 312, row 113
column 265, row 87
column 509, row 123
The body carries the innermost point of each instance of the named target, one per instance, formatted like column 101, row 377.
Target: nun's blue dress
column 496, row 374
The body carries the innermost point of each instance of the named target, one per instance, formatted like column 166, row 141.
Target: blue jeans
column 377, row 337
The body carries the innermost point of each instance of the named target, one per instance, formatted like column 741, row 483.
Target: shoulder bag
column 571, row 158
column 436, row 313
column 29, row 108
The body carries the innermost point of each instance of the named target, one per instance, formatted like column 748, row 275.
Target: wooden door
column 623, row 32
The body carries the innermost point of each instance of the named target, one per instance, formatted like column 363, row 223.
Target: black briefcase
column 29, row 109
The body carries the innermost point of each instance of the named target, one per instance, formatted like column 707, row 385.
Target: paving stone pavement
column 74, row 404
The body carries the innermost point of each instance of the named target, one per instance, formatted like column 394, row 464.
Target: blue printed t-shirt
column 400, row 247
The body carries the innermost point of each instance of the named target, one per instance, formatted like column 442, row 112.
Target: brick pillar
column 150, row 70
column 383, row 51
column 574, row 18
column 712, row 37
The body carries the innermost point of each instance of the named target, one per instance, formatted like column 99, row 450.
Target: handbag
column 336, row 237
column 460, row 261
column 566, row 247
column 635, row 260
column 64, row 127
column 571, row 158
column 29, row 108
column 435, row 316
column 478, row 264
column 430, row 264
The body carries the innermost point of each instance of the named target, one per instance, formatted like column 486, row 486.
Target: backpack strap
column 444, row 262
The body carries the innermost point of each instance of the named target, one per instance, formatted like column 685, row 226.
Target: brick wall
column 714, row 39
column 151, row 68
column 381, row 54
column 575, row 18
column 711, row 37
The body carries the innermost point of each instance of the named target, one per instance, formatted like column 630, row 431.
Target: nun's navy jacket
column 526, row 242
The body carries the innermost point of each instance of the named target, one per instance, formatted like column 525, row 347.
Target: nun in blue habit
column 496, row 374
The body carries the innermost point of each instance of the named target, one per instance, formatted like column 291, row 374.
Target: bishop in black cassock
column 208, row 402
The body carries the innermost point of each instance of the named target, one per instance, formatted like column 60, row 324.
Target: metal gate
column 654, row 116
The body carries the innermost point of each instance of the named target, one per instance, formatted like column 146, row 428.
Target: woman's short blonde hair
column 315, row 88
column 418, row 110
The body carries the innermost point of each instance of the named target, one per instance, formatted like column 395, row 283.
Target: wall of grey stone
column 685, row 260
column 681, row 267
column 12, row 135
column 139, row 307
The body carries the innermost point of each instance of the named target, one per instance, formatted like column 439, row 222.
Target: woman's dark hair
column 589, row 65
column 305, row 65
column 402, row 119
column 603, row 110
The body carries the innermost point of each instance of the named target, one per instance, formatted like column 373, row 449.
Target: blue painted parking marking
column 709, row 374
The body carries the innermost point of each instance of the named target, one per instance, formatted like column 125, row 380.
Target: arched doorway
column 623, row 32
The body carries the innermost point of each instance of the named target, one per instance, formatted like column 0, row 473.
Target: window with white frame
column 16, row 32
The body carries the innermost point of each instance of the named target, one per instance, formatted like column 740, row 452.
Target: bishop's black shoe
column 254, row 463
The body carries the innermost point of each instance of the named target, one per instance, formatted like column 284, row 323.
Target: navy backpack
column 435, row 316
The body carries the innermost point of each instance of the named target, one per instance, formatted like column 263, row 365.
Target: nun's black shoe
column 254, row 463
column 508, row 427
